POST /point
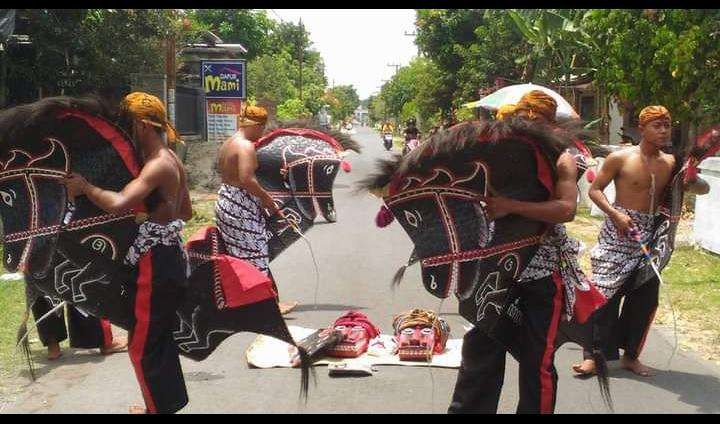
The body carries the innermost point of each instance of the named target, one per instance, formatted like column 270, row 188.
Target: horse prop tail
column 24, row 344
column 602, row 373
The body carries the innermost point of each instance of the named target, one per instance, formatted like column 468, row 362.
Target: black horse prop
column 433, row 190
column 75, row 252
column 297, row 165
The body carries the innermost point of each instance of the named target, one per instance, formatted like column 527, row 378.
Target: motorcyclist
column 411, row 130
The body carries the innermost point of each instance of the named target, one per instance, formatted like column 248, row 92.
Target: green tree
column 470, row 49
column 270, row 78
column 292, row 109
column 557, row 45
column 82, row 50
column 249, row 27
column 347, row 101
column 293, row 41
column 412, row 92
column 659, row 56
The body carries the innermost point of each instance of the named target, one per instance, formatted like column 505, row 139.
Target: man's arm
column 558, row 210
column 608, row 171
column 132, row 195
column 186, row 211
column 247, row 164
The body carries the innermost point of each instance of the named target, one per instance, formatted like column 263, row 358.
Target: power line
column 395, row 65
column 275, row 13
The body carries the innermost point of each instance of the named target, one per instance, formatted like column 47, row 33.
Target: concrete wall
column 616, row 122
column 707, row 208
column 201, row 165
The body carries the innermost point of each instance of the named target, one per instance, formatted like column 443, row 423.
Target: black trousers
column 86, row 332
column 627, row 329
column 161, row 284
column 482, row 370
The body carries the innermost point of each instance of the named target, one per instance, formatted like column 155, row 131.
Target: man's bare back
column 233, row 150
column 174, row 198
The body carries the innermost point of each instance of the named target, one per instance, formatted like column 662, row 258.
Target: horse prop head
column 436, row 192
column 30, row 227
column 298, row 166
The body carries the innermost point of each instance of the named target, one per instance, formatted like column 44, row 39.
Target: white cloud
column 357, row 44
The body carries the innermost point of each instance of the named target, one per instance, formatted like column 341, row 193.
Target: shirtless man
column 480, row 379
column 641, row 174
column 158, row 251
column 241, row 199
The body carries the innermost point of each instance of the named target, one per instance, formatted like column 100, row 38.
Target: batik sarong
column 241, row 220
column 558, row 253
column 616, row 257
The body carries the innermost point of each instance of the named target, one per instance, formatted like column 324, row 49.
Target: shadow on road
column 69, row 357
column 694, row 389
column 327, row 307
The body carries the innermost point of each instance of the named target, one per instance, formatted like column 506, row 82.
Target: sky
column 357, row 45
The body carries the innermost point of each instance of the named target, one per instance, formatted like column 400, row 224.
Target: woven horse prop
column 75, row 253
column 432, row 193
column 298, row 166
column 660, row 248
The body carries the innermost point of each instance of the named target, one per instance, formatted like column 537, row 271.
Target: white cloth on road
column 269, row 352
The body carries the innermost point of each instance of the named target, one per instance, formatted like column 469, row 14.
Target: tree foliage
column 80, row 50
column 249, row 27
column 343, row 100
column 659, row 56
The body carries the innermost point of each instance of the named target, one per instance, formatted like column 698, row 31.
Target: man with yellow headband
column 157, row 252
column 545, row 294
column 241, row 199
column 641, row 174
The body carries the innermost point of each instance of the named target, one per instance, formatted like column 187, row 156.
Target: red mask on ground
column 357, row 331
column 420, row 334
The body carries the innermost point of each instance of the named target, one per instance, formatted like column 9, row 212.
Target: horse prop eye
column 8, row 198
column 329, row 169
column 413, row 218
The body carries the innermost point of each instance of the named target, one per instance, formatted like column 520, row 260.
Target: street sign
column 225, row 79
column 224, row 85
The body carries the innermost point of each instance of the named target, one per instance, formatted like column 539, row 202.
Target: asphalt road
column 357, row 261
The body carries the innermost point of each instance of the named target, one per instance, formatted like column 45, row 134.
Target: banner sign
column 225, row 79
column 222, row 117
column 224, row 85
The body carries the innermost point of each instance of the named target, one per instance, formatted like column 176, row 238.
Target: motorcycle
column 387, row 141
column 410, row 145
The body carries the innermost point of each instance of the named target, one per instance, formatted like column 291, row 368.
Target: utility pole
column 394, row 65
column 412, row 34
column 302, row 50
column 170, row 70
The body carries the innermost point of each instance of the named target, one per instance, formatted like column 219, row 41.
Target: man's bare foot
column 635, row 366
column 286, row 307
column 53, row 351
column 119, row 344
column 135, row 410
column 587, row 367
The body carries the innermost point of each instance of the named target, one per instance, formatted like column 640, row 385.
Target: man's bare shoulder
column 566, row 162
column 620, row 156
column 238, row 143
column 163, row 164
column 668, row 158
